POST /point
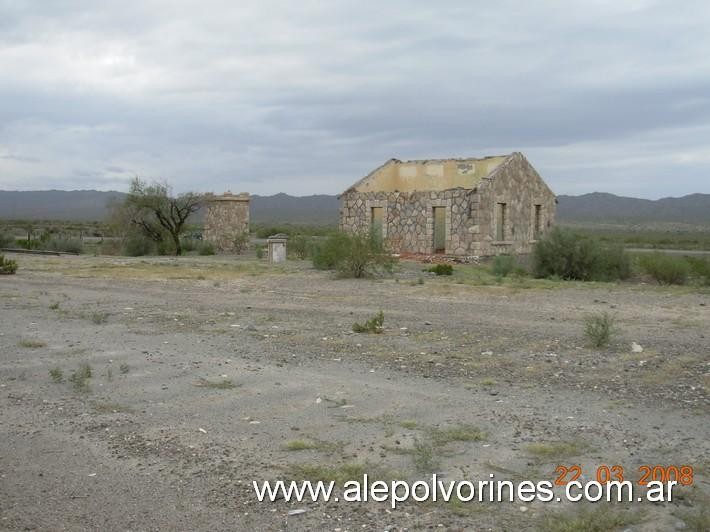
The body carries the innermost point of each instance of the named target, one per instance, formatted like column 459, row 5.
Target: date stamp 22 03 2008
column 682, row 474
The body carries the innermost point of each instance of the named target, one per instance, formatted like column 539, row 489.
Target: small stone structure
column 277, row 248
column 488, row 206
column 226, row 220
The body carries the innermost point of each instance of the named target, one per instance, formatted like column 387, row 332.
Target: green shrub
column 111, row 247
column 442, row 269
column 190, row 244
column 7, row 266
column 7, row 241
column 567, row 255
column 165, row 247
column 352, row 255
column 265, row 231
column 66, row 245
column 56, row 374
column 300, row 246
column 503, row 265
column 80, row 377
column 599, row 328
column 138, row 245
column 700, row 268
column 373, row 325
column 665, row 269
column 206, row 248
column 241, row 242
column 259, row 249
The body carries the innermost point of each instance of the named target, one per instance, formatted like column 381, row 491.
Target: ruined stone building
column 487, row 206
column 226, row 220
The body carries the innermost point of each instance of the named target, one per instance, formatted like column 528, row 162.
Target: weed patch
column 559, row 449
column 442, row 269
column 7, row 266
column 310, row 445
column 224, row 384
column 599, row 328
column 457, row 433
column 598, row 520
column 373, row 325
column 80, row 377
column 112, row 408
column 99, row 318
column 57, row 375
column 337, row 473
column 31, row 344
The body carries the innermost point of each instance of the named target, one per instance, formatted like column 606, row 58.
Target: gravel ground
column 208, row 373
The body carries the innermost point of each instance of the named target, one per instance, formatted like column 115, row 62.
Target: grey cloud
column 307, row 97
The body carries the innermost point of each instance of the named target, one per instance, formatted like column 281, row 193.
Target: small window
column 501, row 221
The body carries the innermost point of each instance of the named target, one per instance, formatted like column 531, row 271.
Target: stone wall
column 520, row 187
column 227, row 218
column 409, row 218
column 470, row 213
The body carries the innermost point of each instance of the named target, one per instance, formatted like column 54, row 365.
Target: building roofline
column 490, row 175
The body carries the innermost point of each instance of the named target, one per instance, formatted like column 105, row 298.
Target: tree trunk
column 178, row 247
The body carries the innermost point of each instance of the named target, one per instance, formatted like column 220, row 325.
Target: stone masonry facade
column 472, row 215
column 226, row 219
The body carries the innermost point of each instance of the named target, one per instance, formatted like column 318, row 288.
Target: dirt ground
column 210, row 372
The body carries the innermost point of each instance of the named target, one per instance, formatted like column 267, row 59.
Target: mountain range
column 594, row 208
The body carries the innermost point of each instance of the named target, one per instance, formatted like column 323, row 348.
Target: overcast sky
column 306, row 97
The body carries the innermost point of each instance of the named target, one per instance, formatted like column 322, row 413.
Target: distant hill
column 595, row 208
column 318, row 209
column 78, row 205
column 89, row 205
column 600, row 207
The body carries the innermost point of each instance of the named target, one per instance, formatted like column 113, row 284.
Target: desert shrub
column 612, row 263
column 259, row 249
column 80, row 377
column 7, row 266
column 442, row 269
column 138, row 245
column 300, row 246
column 664, row 268
column 265, row 231
column 503, row 265
column 24, row 243
column 373, row 325
column 111, row 246
column 190, row 244
column 165, row 247
column 567, row 255
column 352, row 255
column 700, row 269
column 66, row 245
column 7, row 241
column 56, row 374
column 206, row 248
column 241, row 242
column 599, row 328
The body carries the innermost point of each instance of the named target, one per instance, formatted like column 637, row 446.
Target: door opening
column 439, row 229
column 376, row 223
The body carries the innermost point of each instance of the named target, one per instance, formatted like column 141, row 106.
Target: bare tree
column 157, row 213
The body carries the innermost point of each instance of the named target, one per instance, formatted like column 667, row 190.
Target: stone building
column 226, row 220
column 488, row 206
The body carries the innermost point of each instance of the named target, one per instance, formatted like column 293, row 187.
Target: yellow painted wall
column 435, row 175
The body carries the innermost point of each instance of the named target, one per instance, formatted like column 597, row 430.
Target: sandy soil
column 208, row 373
